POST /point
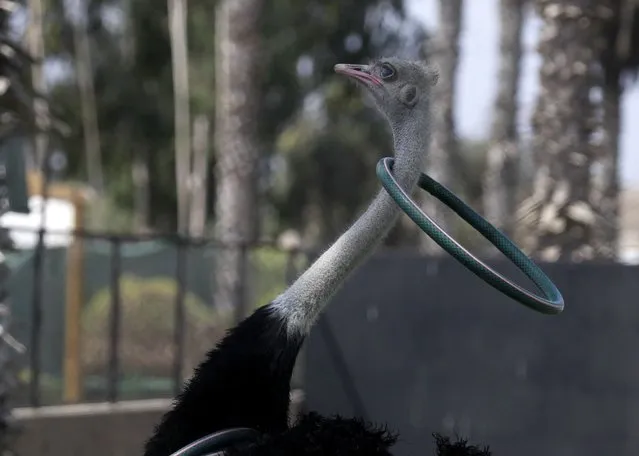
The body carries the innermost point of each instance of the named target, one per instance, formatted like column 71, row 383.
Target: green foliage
column 327, row 153
column 147, row 327
column 132, row 75
column 330, row 169
column 270, row 278
column 130, row 387
column 16, row 91
column 133, row 84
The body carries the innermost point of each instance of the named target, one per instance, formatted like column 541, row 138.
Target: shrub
column 147, row 326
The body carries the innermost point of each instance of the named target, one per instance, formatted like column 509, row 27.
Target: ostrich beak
column 360, row 73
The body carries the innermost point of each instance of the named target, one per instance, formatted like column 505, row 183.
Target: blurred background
column 167, row 167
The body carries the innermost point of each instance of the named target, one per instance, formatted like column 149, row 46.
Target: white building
column 59, row 219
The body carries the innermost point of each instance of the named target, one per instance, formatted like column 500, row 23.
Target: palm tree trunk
column 607, row 196
column 570, row 45
column 236, row 144
column 87, row 99
column 445, row 54
column 617, row 58
column 180, row 61
column 501, row 177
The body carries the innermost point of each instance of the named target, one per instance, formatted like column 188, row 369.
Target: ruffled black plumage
column 460, row 447
column 316, row 435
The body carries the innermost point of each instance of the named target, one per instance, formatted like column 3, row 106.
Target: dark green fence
column 143, row 281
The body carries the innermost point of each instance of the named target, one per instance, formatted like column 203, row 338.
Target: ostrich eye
column 387, row 71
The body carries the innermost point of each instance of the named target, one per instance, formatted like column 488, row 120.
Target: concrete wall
column 94, row 429
column 88, row 430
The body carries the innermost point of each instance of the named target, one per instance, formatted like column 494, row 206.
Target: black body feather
column 245, row 382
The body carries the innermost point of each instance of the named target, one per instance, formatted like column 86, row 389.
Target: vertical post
column 114, row 323
column 73, row 308
column 291, row 271
column 36, row 304
column 178, row 337
column 36, row 321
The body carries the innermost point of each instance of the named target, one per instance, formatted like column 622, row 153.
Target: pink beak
column 360, row 72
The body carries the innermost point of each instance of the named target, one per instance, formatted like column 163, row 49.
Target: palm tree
column 619, row 59
column 501, row 174
column 445, row 54
column 562, row 226
column 237, row 64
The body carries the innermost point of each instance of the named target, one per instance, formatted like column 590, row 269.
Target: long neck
column 245, row 380
column 302, row 303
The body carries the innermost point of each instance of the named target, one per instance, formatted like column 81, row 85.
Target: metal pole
column 36, row 322
column 114, row 323
column 178, row 336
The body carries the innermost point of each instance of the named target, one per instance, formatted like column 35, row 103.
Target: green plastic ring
column 551, row 303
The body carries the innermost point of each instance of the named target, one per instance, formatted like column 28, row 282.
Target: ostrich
column 244, row 381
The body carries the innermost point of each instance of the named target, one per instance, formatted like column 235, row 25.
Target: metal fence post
column 178, row 335
column 114, row 323
column 36, row 321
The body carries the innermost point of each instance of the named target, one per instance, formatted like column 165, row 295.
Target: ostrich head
column 401, row 88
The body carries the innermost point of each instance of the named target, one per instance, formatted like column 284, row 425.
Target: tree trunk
column 615, row 60
column 500, row 180
column 197, row 182
column 236, row 144
column 141, row 190
column 445, row 54
column 35, row 45
column 87, row 97
column 180, row 61
column 606, row 196
column 570, row 45
column 140, row 153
